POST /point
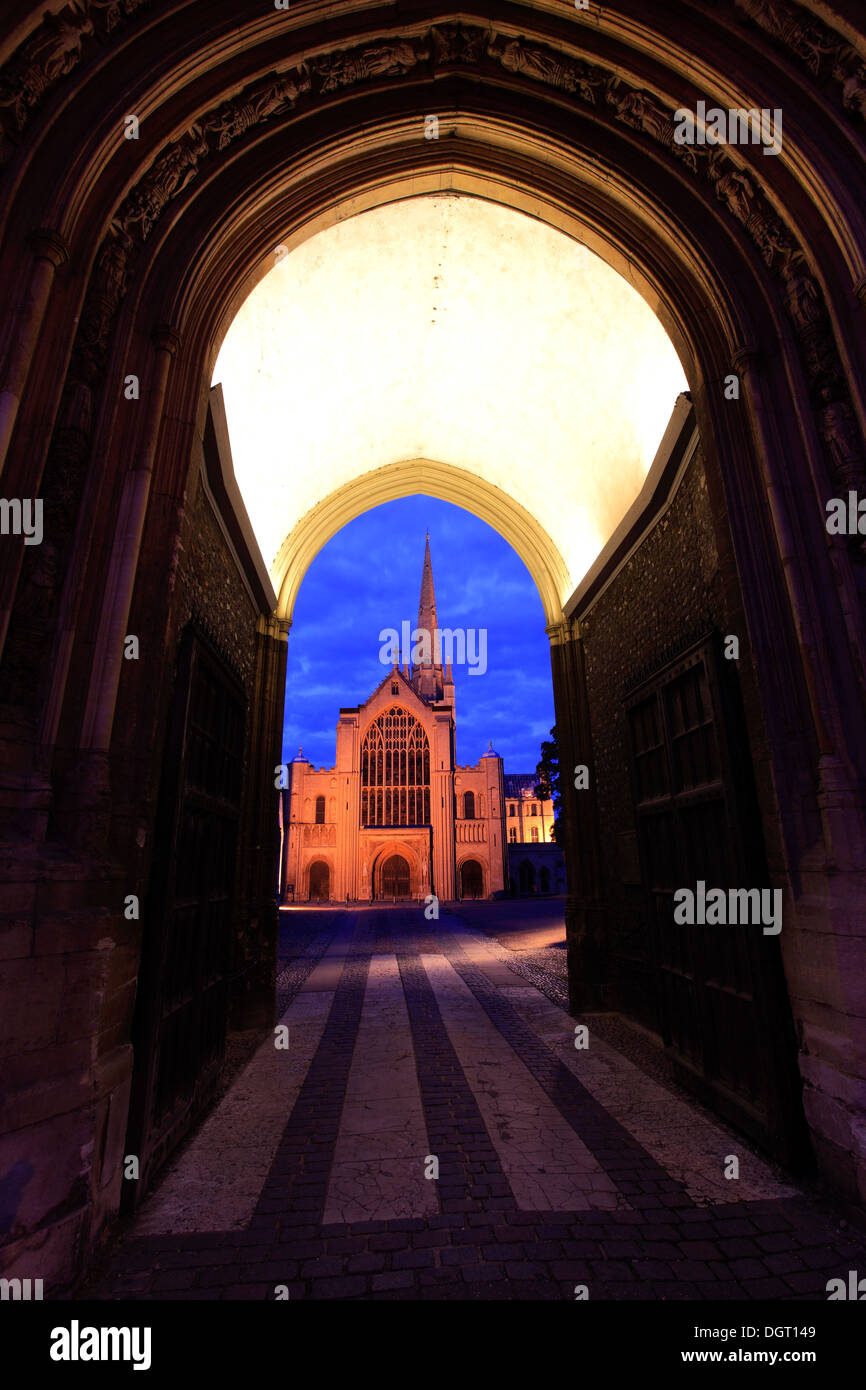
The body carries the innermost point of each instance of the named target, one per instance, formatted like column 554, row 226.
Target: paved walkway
column 431, row 1131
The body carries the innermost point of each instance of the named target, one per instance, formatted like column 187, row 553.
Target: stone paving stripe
column 327, row 972
column 378, row 1168
column 471, row 1178
column 216, row 1182
column 547, row 1166
column 692, row 1149
column 627, row 1163
column 297, row 1181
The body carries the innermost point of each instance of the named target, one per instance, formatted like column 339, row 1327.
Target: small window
column 395, row 689
column 512, row 835
column 469, row 806
column 535, row 834
column 534, row 810
column 512, row 811
column 320, row 810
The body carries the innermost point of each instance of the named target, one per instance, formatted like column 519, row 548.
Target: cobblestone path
column 559, row 1169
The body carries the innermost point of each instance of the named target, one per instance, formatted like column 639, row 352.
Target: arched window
column 320, row 810
column 512, row 835
column 535, row 834
column 469, row 806
column 512, row 811
column 395, row 771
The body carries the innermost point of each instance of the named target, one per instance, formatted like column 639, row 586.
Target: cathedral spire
column 427, row 605
column 428, row 678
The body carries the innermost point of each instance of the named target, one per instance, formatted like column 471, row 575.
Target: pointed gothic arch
column 138, row 252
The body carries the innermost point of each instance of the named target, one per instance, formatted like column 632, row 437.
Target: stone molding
column 738, row 191
column 50, row 52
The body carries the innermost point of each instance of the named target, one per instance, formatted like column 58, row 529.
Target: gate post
column 589, row 986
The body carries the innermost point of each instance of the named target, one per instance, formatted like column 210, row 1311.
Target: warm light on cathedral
column 396, row 816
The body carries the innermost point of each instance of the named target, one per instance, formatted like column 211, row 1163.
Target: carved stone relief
column 816, row 47
column 52, row 51
column 175, row 168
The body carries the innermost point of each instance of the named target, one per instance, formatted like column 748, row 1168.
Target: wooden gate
column 395, row 877
column 722, row 1004
column 183, row 994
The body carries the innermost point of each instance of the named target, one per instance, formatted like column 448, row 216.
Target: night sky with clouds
column 368, row 578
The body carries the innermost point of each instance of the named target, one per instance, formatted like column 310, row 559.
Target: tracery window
column 395, row 771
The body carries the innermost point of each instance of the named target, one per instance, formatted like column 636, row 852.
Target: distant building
column 396, row 817
column 535, row 863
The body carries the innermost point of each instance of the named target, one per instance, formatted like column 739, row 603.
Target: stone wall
column 669, row 589
column 70, row 956
column 679, row 589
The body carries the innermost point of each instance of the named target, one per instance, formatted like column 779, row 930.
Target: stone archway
column 471, row 879
column 127, row 264
column 396, row 873
column 395, row 877
column 319, row 881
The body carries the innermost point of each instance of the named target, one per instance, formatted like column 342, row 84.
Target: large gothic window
column 395, row 771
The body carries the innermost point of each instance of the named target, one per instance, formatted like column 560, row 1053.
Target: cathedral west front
column 396, row 817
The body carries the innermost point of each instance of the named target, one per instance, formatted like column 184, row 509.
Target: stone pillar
column 49, row 253
column 348, row 868
column 496, row 852
column 252, row 1004
column 442, row 810
column 123, row 566
column 840, row 795
column 585, row 915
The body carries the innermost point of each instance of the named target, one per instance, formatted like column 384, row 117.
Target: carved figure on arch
column 840, row 434
column 735, row 190
column 641, row 111
column 251, row 109
column 53, row 50
column 529, row 60
column 168, row 176
column 379, row 60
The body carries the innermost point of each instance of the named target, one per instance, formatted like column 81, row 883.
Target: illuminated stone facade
column 395, row 816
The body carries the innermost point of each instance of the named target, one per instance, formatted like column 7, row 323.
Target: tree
column 547, row 786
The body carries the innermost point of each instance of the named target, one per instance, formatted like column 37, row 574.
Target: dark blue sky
column 368, row 577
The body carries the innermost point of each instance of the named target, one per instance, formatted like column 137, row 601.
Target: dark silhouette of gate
column 721, row 1003
column 180, row 1022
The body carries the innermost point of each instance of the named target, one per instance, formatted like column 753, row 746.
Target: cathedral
column 395, row 817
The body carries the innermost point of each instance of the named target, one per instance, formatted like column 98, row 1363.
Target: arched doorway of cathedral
column 471, row 879
column 699, row 760
column 396, row 874
column 320, row 882
column 395, row 877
